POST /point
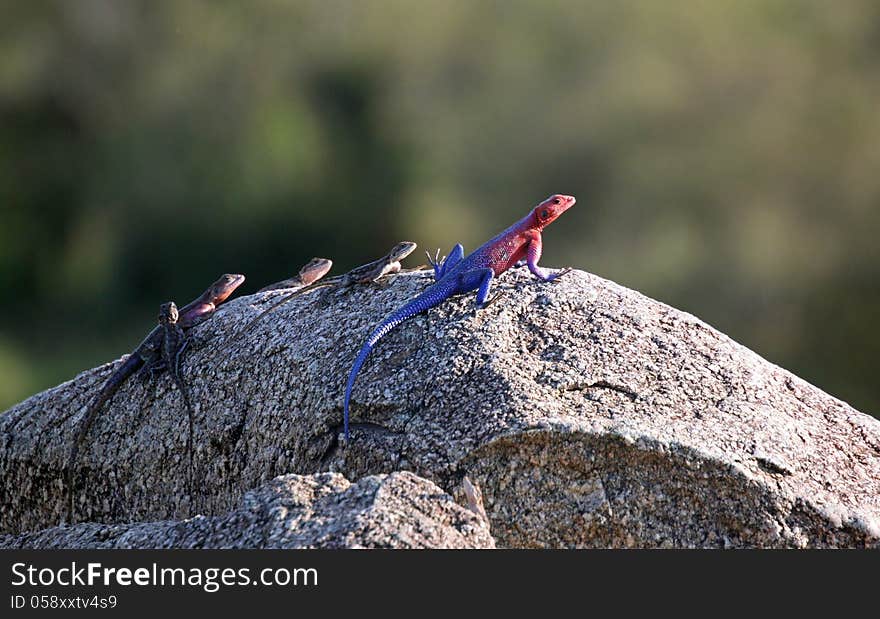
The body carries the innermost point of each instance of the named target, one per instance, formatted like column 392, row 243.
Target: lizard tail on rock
column 129, row 367
column 429, row 298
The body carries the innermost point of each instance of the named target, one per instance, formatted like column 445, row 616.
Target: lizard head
column 401, row 251
column 168, row 313
column 551, row 208
column 223, row 287
column 314, row 269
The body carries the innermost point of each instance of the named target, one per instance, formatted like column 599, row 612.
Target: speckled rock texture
column 587, row 414
column 324, row 510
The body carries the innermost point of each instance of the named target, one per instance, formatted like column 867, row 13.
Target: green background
column 725, row 156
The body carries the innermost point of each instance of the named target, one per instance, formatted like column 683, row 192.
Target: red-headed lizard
column 457, row 274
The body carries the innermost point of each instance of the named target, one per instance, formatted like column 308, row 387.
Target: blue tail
column 435, row 295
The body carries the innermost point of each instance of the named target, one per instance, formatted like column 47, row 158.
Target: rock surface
column 293, row 511
column 586, row 413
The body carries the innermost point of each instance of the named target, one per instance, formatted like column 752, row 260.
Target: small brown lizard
column 158, row 351
column 364, row 274
column 312, row 271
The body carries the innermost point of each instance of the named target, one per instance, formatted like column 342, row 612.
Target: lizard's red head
column 551, row 208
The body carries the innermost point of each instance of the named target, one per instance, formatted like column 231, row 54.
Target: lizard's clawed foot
column 492, row 300
column 436, row 261
column 559, row 274
column 152, row 370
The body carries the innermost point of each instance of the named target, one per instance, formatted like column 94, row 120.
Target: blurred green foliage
column 725, row 157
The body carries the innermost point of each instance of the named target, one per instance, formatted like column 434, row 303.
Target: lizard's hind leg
column 481, row 279
column 152, row 369
column 497, row 296
column 436, row 262
column 453, row 258
column 443, row 265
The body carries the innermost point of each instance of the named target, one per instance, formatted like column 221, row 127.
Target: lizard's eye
column 555, row 200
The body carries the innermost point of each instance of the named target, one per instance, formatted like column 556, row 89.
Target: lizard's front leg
column 390, row 270
column 533, row 254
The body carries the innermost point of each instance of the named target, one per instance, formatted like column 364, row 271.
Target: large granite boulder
column 587, row 413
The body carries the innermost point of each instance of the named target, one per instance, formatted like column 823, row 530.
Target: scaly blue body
column 457, row 274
